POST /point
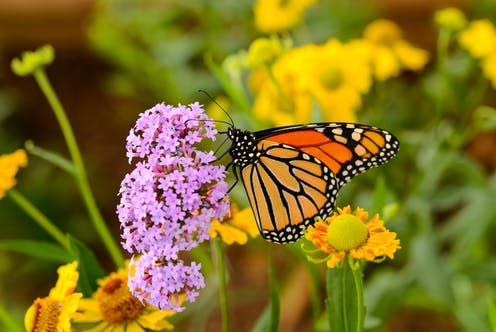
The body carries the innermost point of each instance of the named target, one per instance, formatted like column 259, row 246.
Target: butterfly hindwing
column 287, row 190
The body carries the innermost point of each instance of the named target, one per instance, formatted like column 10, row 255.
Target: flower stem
column 80, row 174
column 221, row 271
column 38, row 217
column 358, row 281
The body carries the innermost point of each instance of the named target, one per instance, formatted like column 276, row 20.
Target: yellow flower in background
column 389, row 53
column 337, row 77
column 114, row 308
column 281, row 98
column 263, row 51
column 9, row 165
column 479, row 39
column 349, row 233
column 489, row 68
column 279, row 15
column 236, row 228
column 450, row 18
column 53, row 313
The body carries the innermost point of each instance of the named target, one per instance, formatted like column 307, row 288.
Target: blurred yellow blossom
column 311, row 74
column 336, row 85
column 349, row 233
column 236, row 228
column 279, row 15
column 9, row 165
column 53, row 313
column 489, row 68
column 450, row 18
column 114, row 308
column 389, row 53
column 264, row 51
column 479, row 39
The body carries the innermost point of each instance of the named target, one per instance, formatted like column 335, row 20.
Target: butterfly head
column 244, row 148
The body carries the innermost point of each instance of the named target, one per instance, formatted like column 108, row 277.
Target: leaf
column 379, row 196
column 485, row 118
column 89, row 268
column 491, row 311
column 38, row 249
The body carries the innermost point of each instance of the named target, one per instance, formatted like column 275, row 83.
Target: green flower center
column 346, row 232
column 331, row 78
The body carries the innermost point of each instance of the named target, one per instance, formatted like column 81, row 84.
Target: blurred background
column 114, row 59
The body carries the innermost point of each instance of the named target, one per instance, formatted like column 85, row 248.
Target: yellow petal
column 66, row 283
column 155, row 320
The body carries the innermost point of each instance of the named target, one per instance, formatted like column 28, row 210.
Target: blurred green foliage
column 446, row 216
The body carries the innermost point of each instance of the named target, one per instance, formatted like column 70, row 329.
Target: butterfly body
column 292, row 174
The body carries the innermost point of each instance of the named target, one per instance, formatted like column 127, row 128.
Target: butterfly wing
column 347, row 149
column 298, row 171
column 287, row 188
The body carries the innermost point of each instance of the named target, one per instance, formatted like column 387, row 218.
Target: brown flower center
column 117, row 304
column 46, row 316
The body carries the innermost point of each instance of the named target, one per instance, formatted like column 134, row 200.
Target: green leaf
column 269, row 320
column 89, row 268
column 485, row 118
column 38, row 249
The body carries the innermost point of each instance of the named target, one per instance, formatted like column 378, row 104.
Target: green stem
column 286, row 102
column 274, row 294
column 38, row 217
column 80, row 174
column 221, row 271
column 358, row 281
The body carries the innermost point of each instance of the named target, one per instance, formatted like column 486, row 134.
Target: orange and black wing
column 287, row 189
column 299, row 170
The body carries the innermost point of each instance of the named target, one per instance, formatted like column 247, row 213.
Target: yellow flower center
column 47, row 312
column 331, row 78
column 117, row 304
column 346, row 232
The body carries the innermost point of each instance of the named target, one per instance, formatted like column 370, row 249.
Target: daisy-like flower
column 168, row 201
column 349, row 233
column 389, row 52
column 279, row 15
column 53, row 313
column 9, row 166
column 236, row 228
column 114, row 308
column 479, row 38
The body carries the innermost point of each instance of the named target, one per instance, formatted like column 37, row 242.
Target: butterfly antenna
column 212, row 99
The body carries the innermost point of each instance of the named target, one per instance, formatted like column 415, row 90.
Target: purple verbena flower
column 162, row 283
column 169, row 199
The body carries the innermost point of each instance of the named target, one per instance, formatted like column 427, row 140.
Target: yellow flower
column 388, row 52
column 347, row 233
column 337, row 77
column 489, row 68
column 114, row 308
column 308, row 74
column 279, row 15
column 236, row 228
column 450, row 18
column 9, row 165
column 479, row 39
column 263, row 51
column 53, row 313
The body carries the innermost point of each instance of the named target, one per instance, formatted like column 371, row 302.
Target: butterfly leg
column 235, row 176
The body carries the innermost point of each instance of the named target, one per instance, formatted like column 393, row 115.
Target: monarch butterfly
column 292, row 174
